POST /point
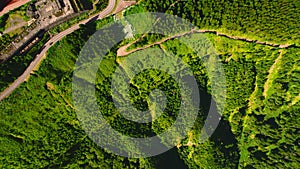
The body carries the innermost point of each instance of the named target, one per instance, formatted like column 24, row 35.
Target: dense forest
column 259, row 126
column 47, row 134
column 274, row 21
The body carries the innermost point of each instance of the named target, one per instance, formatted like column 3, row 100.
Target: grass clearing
column 272, row 74
column 15, row 23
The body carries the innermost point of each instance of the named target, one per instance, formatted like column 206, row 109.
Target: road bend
column 39, row 57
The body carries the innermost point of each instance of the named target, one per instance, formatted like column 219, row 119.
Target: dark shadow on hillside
column 170, row 160
column 223, row 138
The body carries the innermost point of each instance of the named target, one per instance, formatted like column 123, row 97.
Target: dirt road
column 122, row 51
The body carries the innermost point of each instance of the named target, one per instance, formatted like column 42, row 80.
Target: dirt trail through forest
column 122, row 51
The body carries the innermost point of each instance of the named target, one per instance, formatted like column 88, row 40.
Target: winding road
column 39, row 57
column 122, row 51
